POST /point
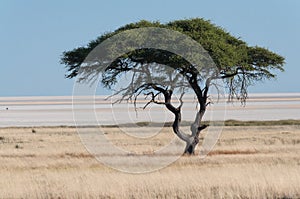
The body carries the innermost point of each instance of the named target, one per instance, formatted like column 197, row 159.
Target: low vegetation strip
column 214, row 123
column 183, row 123
column 232, row 152
column 261, row 123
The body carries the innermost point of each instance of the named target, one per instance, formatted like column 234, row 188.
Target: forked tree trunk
column 196, row 128
column 191, row 146
column 191, row 140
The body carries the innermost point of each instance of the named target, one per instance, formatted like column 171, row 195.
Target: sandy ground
column 247, row 162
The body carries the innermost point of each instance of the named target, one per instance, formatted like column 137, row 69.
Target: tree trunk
column 190, row 140
column 196, row 129
column 193, row 139
column 191, row 145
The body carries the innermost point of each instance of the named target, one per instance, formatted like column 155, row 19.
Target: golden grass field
column 247, row 162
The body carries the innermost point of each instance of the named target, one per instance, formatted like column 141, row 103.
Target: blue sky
column 34, row 34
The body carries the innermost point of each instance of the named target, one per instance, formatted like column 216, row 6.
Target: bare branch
column 180, row 100
column 196, row 126
column 208, row 103
column 202, row 127
column 228, row 75
column 153, row 99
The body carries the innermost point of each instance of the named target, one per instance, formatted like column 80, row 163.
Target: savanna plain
column 251, row 161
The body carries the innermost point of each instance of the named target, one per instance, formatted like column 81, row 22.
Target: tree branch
column 153, row 99
column 196, row 127
column 180, row 100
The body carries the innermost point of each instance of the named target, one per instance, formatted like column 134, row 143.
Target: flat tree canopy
column 238, row 65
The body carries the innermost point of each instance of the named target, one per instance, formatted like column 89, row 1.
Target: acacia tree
column 237, row 64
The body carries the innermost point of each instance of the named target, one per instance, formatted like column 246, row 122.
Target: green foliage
column 227, row 51
column 239, row 64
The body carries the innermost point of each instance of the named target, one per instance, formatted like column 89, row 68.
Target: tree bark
column 196, row 129
column 193, row 139
column 190, row 140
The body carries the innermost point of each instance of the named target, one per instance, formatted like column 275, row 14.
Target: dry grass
column 247, row 162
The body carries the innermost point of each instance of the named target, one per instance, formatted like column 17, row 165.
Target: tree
column 236, row 63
